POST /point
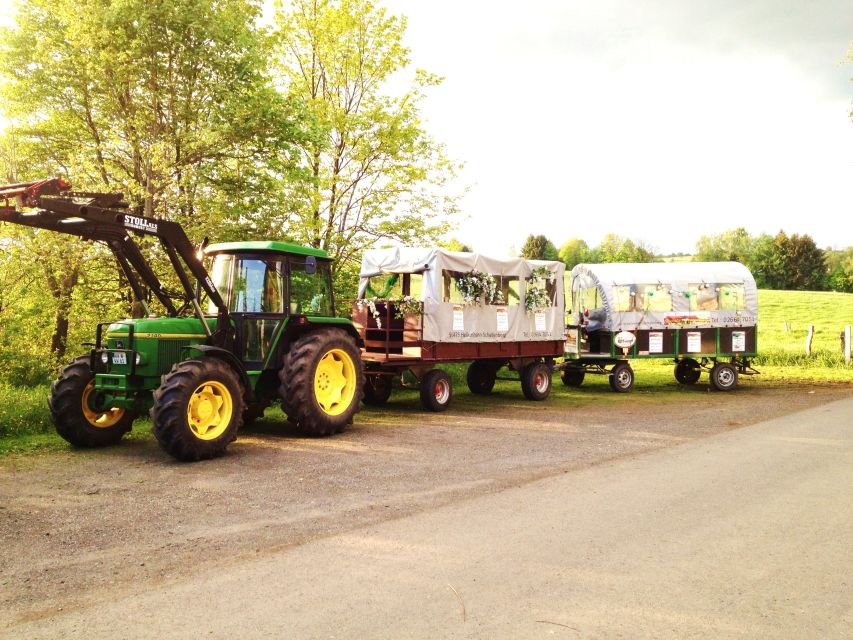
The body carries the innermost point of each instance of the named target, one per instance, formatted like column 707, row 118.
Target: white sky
column 659, row 120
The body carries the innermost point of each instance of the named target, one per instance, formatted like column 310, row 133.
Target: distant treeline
column 785, row 262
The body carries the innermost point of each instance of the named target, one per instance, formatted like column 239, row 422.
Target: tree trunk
column 62, row 290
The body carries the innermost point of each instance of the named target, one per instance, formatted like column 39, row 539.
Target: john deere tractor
column 257, row 328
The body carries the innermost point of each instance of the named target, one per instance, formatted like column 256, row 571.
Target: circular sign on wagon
column 625, row 339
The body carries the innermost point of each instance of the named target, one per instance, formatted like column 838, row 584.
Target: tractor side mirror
column 310, row 265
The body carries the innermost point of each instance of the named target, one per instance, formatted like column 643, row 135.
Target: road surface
column 746, row 534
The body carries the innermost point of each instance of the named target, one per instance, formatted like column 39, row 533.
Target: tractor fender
column 233, row 361
column 298, row 325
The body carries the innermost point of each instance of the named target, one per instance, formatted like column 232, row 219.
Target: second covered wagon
column 420, row 307
column 703, row 315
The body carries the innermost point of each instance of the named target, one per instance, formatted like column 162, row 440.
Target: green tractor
column 262, row 329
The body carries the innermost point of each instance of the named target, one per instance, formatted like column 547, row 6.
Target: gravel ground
column 78, row 527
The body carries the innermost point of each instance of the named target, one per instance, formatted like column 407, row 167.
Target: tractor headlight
column 138, row 359
column 105, row 357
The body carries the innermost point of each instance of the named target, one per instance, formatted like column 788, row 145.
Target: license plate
column 119, row 358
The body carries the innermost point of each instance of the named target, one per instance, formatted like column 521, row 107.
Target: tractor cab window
column 310, row 293
column 258, row 286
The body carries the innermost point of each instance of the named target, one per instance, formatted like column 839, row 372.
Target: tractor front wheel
column 77, row 413
column 322, row 381
column 198, row 409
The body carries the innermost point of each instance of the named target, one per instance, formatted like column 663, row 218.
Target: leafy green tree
column 734, row 244
column 614, row 248
column 795, row 262
column 573, row 252
column 374, row 173
column 538, row 248
column 455, row 245
column 168, row 102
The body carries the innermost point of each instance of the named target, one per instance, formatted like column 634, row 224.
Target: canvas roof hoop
column 448, row 321
column 663, row 295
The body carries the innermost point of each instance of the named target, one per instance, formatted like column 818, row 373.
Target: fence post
column 847, row 344
column 809, row 340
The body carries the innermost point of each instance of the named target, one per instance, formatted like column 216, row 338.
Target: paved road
column 748, row 534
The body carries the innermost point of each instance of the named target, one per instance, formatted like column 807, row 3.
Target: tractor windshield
column 258, row 284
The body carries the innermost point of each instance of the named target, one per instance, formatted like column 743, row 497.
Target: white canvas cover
column 446, row 321
column 689, row 294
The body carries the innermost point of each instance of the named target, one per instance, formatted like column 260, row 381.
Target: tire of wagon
column 572, row 376
column 198, row 409
column 481, row 376
column 377, row 390
column 322, row 381
column 723, row 376
column 536, row 381
column 74, row 411
column 436, row 390
column 621, row 377
column 687, row 371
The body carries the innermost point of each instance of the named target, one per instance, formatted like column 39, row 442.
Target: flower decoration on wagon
column 478, row 288
column 536, row 296
column 407, row 305
column 370, row 303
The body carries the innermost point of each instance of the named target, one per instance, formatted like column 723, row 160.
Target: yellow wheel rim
column 209, row 410
column 99, row 419
column 335, row 382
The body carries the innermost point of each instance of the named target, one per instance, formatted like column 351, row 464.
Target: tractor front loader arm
column 106, row 217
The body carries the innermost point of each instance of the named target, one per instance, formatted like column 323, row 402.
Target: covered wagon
column 703, row 315
column 421, row 307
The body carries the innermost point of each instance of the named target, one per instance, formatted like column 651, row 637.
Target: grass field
column 25, row 419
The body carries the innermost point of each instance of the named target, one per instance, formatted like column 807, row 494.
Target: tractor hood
column 161, row 328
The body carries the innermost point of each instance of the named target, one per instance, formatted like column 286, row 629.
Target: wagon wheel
column 687, row 371
column 436, row 390
column 621, row 377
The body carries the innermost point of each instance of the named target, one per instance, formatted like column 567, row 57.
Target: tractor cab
column 263, row 285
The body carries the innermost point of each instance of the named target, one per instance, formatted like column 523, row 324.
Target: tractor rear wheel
column 322, row 381
column 198, row 409
column 76, row 412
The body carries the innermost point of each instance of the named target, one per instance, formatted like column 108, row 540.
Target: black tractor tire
column 572, row 376
column 84, row 426
column 207, row 388
column 312, row 363
column 621, row 377
column 536, row 381
column 436, row 390
column 377, row 390
column 687, row 371
column 724, row 376
column 481, row 376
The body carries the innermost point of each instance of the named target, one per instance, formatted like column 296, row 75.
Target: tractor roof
column 266, row 245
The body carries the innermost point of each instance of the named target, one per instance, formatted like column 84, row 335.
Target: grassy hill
column 828, row 311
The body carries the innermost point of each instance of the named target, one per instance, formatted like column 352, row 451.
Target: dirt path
column 81, row 526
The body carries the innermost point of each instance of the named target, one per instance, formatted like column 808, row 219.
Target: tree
column 734, row 244
column 455, row 245
column 614, row 248
column 168, row 102
column 374, row 173
column 794, row 262
column 573, row 252
column 538, row 248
